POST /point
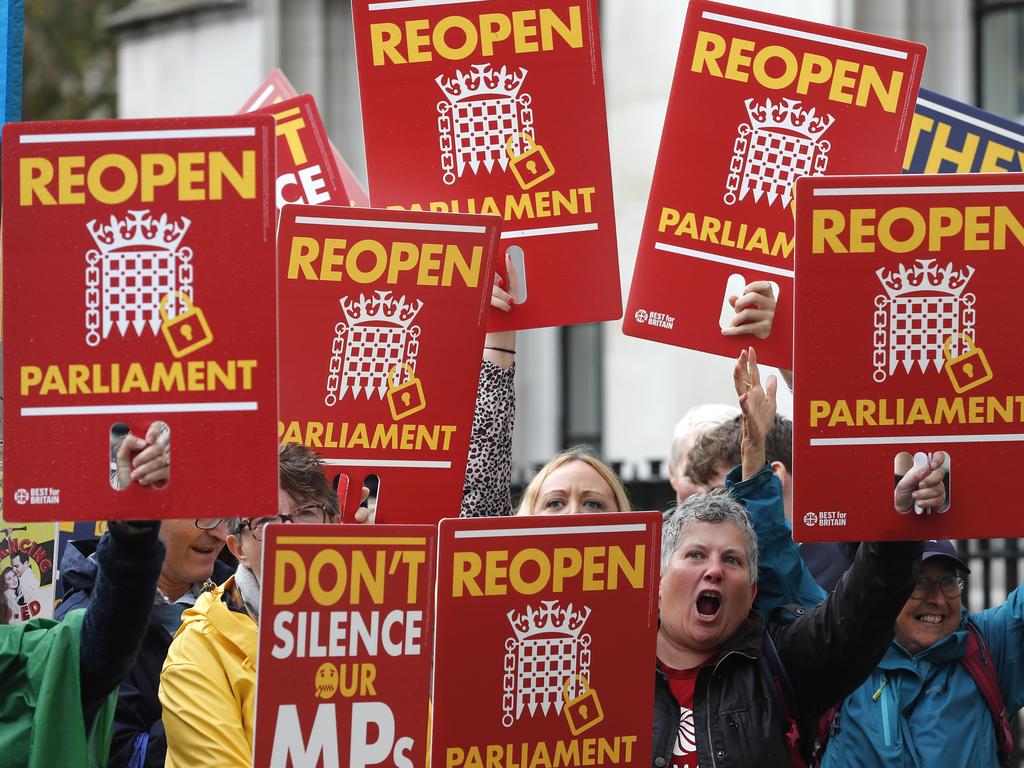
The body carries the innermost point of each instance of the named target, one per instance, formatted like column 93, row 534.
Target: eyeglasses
column 311, row 513
column 209, row 523
column 951, row 586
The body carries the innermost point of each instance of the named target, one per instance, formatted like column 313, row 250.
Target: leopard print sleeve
column 487, row 488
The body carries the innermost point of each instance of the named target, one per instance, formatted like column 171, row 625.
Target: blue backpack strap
column 140, row 746
column 979, row 665
column 782, row 693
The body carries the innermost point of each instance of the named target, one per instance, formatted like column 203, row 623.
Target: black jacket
column 138, row 707
column 828, row 561
column 827, row 653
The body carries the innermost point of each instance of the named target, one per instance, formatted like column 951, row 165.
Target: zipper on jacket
column 886, row 696
column 707, row 706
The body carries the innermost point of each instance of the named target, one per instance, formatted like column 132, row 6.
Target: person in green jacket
column 58, row 681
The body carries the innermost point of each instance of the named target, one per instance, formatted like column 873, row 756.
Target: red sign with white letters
column 384, row 313
column 757, row 102
column 139, row 285
column 531, row 664
column 275, row 89
column 306, row 172
column 346, row 639
column 498, row 108
column 902, row 350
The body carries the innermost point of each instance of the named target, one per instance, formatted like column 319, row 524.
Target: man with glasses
column 925, row 702
column 208, row 684
column 950, row 680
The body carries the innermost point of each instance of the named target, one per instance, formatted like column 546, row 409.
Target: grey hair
column 718, row 506
column 696, row 421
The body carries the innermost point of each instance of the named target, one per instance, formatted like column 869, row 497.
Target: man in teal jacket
column 920, row 706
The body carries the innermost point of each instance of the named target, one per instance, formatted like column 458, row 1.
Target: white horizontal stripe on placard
column 262, row 97
column 540, row 231
column 91, row 410
column 971, row 119
column 183, row 133
column 941, row 189
column 390, row 224
column 494, row 533
column 723, row 259
column 803, row 35
column 393, row 4
column 909, row 439
column 388, row 463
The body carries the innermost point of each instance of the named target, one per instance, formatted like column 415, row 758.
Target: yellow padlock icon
column 187, row 331
column 532, row 166
column 970, row 368
column 584, row 710
column 405, row 399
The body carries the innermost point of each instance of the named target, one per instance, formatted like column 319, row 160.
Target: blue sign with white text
column 948, row 136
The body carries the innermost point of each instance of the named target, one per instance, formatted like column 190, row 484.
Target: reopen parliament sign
column 904, row 347
column 758, row 101
column 545, row 639
column 383, row 315
column 498, row 108
column 139, row 285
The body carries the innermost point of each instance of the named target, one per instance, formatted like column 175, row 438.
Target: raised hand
column 499, row 347
column 757, row 404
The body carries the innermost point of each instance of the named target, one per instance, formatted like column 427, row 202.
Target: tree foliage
column 70, row 61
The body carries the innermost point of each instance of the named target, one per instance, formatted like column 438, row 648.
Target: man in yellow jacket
column 208, row 683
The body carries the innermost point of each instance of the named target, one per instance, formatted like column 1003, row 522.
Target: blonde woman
column 573, row 482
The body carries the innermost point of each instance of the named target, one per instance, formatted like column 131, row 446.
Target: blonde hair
column 579, row 453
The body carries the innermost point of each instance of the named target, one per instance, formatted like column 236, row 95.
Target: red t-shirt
column 682, row 683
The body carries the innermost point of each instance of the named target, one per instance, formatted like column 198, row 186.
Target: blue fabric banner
column 12, row 36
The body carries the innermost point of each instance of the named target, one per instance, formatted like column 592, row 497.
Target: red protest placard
column 276, row 88
column 139, row 285
column 384, row 313
column 306, row 172
column 346, row 635
column 902, row 350
column 757, row 102
column 498, row 109
column 545, row 638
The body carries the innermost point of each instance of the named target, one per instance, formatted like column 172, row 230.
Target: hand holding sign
column 146, row 461
column 922, row 486
column 363, row 514
column 755, row 310
column 499, row 346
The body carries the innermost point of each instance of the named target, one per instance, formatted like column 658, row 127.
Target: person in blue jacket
column 920, row 706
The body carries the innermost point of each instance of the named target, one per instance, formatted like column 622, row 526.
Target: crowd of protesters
column 767, row 653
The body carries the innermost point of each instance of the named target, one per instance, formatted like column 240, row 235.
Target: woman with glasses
column 208, row 684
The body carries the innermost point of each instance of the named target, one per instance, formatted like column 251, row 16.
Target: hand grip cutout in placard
column 904, row 463
column 734, row 287
column 518, row 258
column 127, row 462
